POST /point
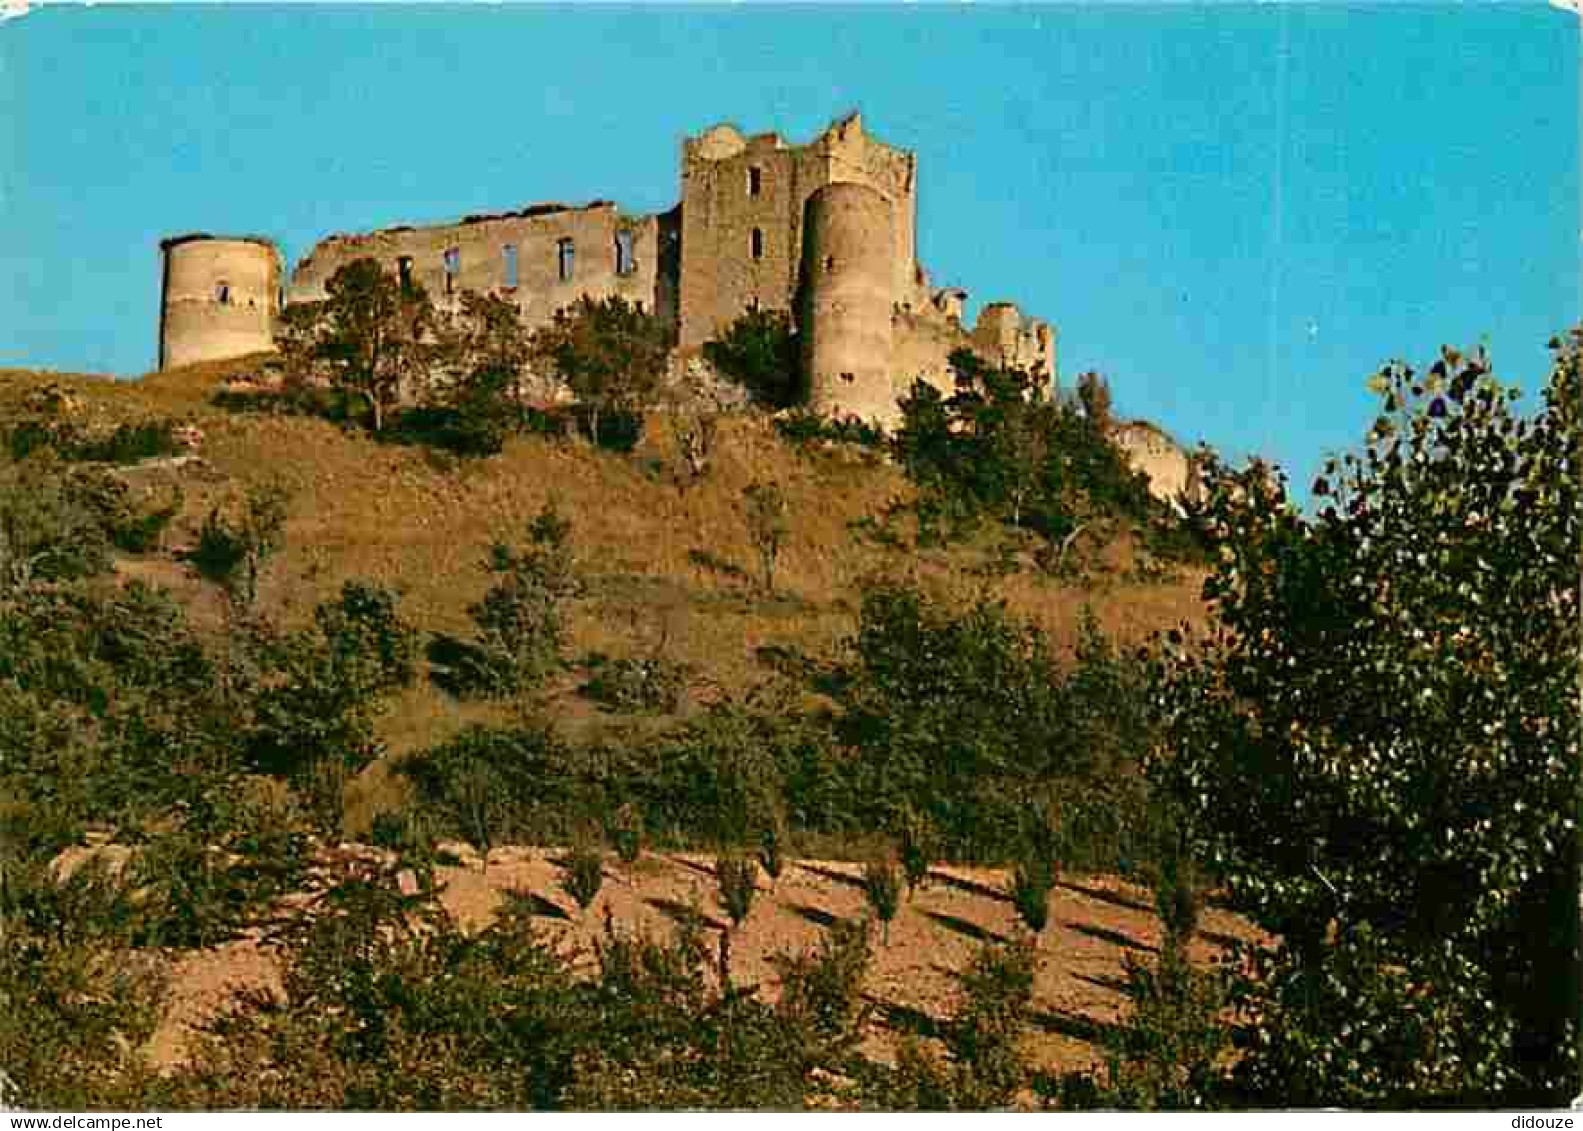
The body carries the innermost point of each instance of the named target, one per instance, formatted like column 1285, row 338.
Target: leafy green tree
column 1093, row 391
column 231, row 552
column 521, row 630
column 768, row 525
column 489, row 354
column 501, row 784
column 110, row 712
column 760, row 352
column 313, row 716
column 1000, row 445
column 953, row 711
column 611, row 353
column 468, row 785
column 374, row 337
column 1376, row 745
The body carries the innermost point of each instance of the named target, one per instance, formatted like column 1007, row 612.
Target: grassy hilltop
column 662, row 565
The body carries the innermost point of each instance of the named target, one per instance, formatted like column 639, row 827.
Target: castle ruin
column 220, row 297
column 825, row 231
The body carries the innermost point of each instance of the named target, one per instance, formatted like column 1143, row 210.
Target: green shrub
column 985, row 1031
column 521, row 618
column 1032, row 881
column 627, row 684
column 822, row 990
column 737, row 877
column 231, row 551
column 882, row 888
column 772, row 848
column 626, row 833
column 759, row 351
column 807, row 429
column 1168, row 1054
column 584, row 869
column 918, row 847
column 79, row 1001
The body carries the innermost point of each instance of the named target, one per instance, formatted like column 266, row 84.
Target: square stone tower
column 743, row 207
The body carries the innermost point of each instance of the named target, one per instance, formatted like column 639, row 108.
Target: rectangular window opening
column 625, row 264
column 222, row 293
column 755, row 181
column 509, row 265
column 566, row 259
column 756, row 243
column 404, row 273
column 453, row 268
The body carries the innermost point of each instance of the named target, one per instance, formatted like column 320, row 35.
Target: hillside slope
column 663, row 564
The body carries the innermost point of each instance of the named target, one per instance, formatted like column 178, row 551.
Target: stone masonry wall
column 1151, row 451
column 742, row 235
column 735, row 186
column 220, row 298
column 478, row 259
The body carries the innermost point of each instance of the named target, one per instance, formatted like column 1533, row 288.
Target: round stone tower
column 845, row 324
column 219, row 299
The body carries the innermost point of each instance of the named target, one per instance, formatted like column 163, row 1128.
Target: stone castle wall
column 826, row 231
column 220, row 298
column 542, row 259
column 845, row 317
column 744, row 202
column 1150, row 450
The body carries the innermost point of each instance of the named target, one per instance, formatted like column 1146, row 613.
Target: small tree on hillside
column 463, row 780
column 520, row 617
column 376, row 336
column 1094, row 393
column 737, row 877
column 768, row 525
column 231, row 551
column 611, row 354
column 772, row 848
column 583, row 874
column 882, row 886
column 759, row 351
column 313, row 718
column 1033, row 878
column 490, row 354
column 919, row 844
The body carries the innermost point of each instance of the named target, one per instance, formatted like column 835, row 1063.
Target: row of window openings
column 566, row 258
column 565, row 262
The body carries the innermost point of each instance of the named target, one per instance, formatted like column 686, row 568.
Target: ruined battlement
column 826, row 231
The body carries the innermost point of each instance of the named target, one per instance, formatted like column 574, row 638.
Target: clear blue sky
column 1234, row 212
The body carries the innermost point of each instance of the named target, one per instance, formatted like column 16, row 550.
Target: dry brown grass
column 421, row 524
